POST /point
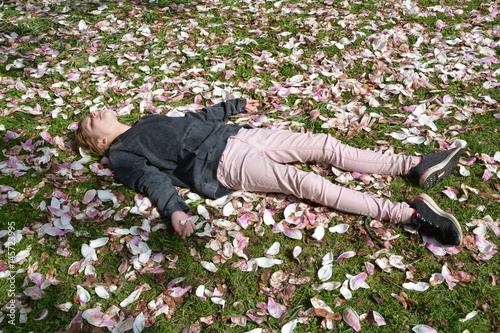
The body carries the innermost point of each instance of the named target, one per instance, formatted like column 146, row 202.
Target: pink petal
column 296, row 251
column 370, row 268
column 487, row 175
column 229, row 73
column 447, row 276
column 174, row 282
column 46, row 136
column 94, row 317
column 57, row 232
column 437, row 250
column 20, row 86
column 356, row 281
column 351, row 318
column 292, row 233
column 178, row 291
column 273, row 308
column 37, row 279
column 346, row 255
column 89, row 196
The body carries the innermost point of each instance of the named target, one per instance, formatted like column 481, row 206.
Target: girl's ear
column 102, row 143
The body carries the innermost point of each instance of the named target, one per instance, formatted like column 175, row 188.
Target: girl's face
column 100, row 125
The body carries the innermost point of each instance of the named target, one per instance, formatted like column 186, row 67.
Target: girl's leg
column 284, row 147
column 242, row 167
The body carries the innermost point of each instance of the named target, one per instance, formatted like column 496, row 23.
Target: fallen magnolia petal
column 101, row 292
column 327, row 259
column 64, row 306
column 290, row 326
column 470, row 315
column 99, row 242
column 423, row 329
column 83, row 294
column 297, row 251
column 273, row 308
column 292, row 233
column 325, row 272
column 370, row 268
column 436, row 249
column 218, row 301
column 327, row 286
column 94, row 317
column 178, row 291
column 43, row 314
column 421, row 286
column 88, row 252
column 131, row 298
column 319, row 233
column 33, row 292
column 209, row 266
column 445, row 272
column 379, row 319
column 200, row 292
column 89, row 196
column 268, row 218
column 339, row 228
column 463, row 171
column 267, row 262
column 273, row 250
column 351, row 318
column 139, row 323
column 357, row 281
column 345, row 255
column 344, row 290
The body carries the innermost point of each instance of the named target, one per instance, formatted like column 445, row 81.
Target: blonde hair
column 86, row 142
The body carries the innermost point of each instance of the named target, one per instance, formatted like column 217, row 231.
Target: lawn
column 80, row 252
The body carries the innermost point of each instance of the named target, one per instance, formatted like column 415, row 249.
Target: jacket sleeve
column 137, row 173
column 221, row 111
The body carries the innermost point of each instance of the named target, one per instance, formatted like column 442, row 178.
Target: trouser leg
column 284, row 147
column 242, row 167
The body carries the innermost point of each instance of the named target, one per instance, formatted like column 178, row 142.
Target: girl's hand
column 252, row 105
column 183, row 230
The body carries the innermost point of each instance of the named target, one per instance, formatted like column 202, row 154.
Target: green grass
column 53, row 37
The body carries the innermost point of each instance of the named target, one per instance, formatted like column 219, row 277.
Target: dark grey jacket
column 159, row 152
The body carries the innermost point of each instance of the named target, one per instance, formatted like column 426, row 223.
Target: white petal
column 469, row 316
column 327, row 259
column 99, row 242
column 267, row 262
column 423, row 329
column 421, row 286
column 339, row 228
column 209, row 266
column 273, row 250
column 325, row 272
column 203, row 212
column 82, row 294
column 101, row 292
column 228, row 209
column 268, row 218
column 319, row 233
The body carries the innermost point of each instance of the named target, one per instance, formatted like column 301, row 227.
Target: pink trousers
column 253, row 161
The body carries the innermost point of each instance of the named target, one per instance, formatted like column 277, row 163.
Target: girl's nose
column 93, row 114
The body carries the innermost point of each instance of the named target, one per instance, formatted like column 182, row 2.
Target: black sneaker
column 435, row 222
column 435, row 166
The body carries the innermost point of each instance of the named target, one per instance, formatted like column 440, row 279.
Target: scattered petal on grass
column 470, row 315
column 267, row 262
column 345, row 255
column 339, row 228
column 319, row 233
column 351, row 318
column 423, row 329
column 420, row 286
column 209, row 266
column 370, row 268
column 379, row 319
column 357, row 281
column 273, row 250
column 325, row 272
column 95, row 318
column 273, row 308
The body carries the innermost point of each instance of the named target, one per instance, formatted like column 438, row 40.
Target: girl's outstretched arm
column 220, row 112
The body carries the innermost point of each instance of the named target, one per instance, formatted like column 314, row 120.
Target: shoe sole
column 434, row 174
column 435, row 208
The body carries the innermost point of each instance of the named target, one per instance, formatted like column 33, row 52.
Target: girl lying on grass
column 201, row 153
